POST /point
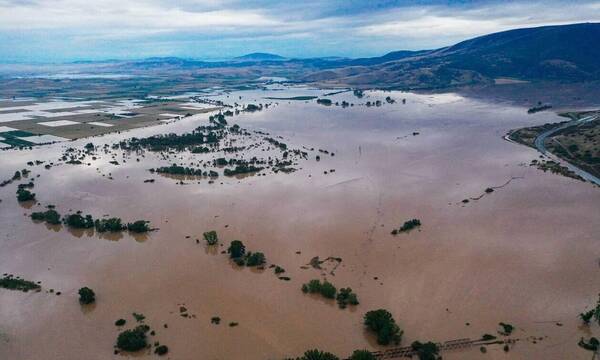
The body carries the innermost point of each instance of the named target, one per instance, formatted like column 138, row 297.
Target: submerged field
column 523, row 254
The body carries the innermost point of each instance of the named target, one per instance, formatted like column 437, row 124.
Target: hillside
column 564, row 53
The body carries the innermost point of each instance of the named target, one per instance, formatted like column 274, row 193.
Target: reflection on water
column 524, row 254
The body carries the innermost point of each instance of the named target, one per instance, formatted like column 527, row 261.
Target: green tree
column 139, row 226
column 211, row 237
column 236, row 249
column 382, row 323
column 256, row 259
column 133, row 339
column 86, row 295
column 328, row 290
column 25, row 195
column 426, row 351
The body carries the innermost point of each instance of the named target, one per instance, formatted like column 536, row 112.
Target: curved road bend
column 539, row 144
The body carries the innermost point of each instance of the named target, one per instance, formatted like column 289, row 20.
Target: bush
column 86, row 295
column 138, row 317
column 362, row 355
column 382, row 323
column 161, row 350
column 211, row 237
column 140, row 226
column 120, row 322
column 236, row 249
column 410, row 224
column 133, row 339
column 256, row 259
column 507, row 329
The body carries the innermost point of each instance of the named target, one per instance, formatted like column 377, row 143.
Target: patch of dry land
column 33, row 122
column 578, row 144
column 310, row 191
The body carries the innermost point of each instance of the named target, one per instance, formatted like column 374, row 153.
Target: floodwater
column 525, row 254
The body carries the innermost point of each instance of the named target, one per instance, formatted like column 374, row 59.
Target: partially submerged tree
column 382, row 323
column 133, row 339
column 86, row 295
column 211, row 237
column 236, row 249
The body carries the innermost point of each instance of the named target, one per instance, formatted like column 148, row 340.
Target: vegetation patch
column 133, row 339
column 407, row 226
column 16, row 283
column 382, row 323
column 50, row 216
column 426, row 351
column 211, row 237
column 86, row 296
column 25, row 195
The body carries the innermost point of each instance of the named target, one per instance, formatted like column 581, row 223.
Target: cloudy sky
column 65, row 30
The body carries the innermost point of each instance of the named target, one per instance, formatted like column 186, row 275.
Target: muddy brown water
column 526, row 254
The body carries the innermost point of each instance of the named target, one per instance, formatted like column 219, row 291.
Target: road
column 539, row 145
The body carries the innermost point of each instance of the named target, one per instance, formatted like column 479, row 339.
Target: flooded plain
column 525, row 254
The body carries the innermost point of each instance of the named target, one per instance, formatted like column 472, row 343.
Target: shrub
column 362, row 355
column 161, row 350
column 410, row 224
column 211, row 237
column 382, row 323
column 120, row 322
column 138, row 317
column 587, row 316
column 507, row 329
column 86, row 295
column 133, row 339
column 236, row 249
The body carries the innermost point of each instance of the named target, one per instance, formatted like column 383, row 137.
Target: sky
column 69, row 30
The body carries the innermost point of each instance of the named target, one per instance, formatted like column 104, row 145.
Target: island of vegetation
column 407, row 226
column 11, row 282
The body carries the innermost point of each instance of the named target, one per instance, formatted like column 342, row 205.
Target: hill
column 259, row 57
column 563, row 52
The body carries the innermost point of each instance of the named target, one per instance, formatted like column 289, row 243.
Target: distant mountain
column 564, row 52
column 259, row 57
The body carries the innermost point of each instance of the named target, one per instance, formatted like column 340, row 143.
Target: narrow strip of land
column 541, row 138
